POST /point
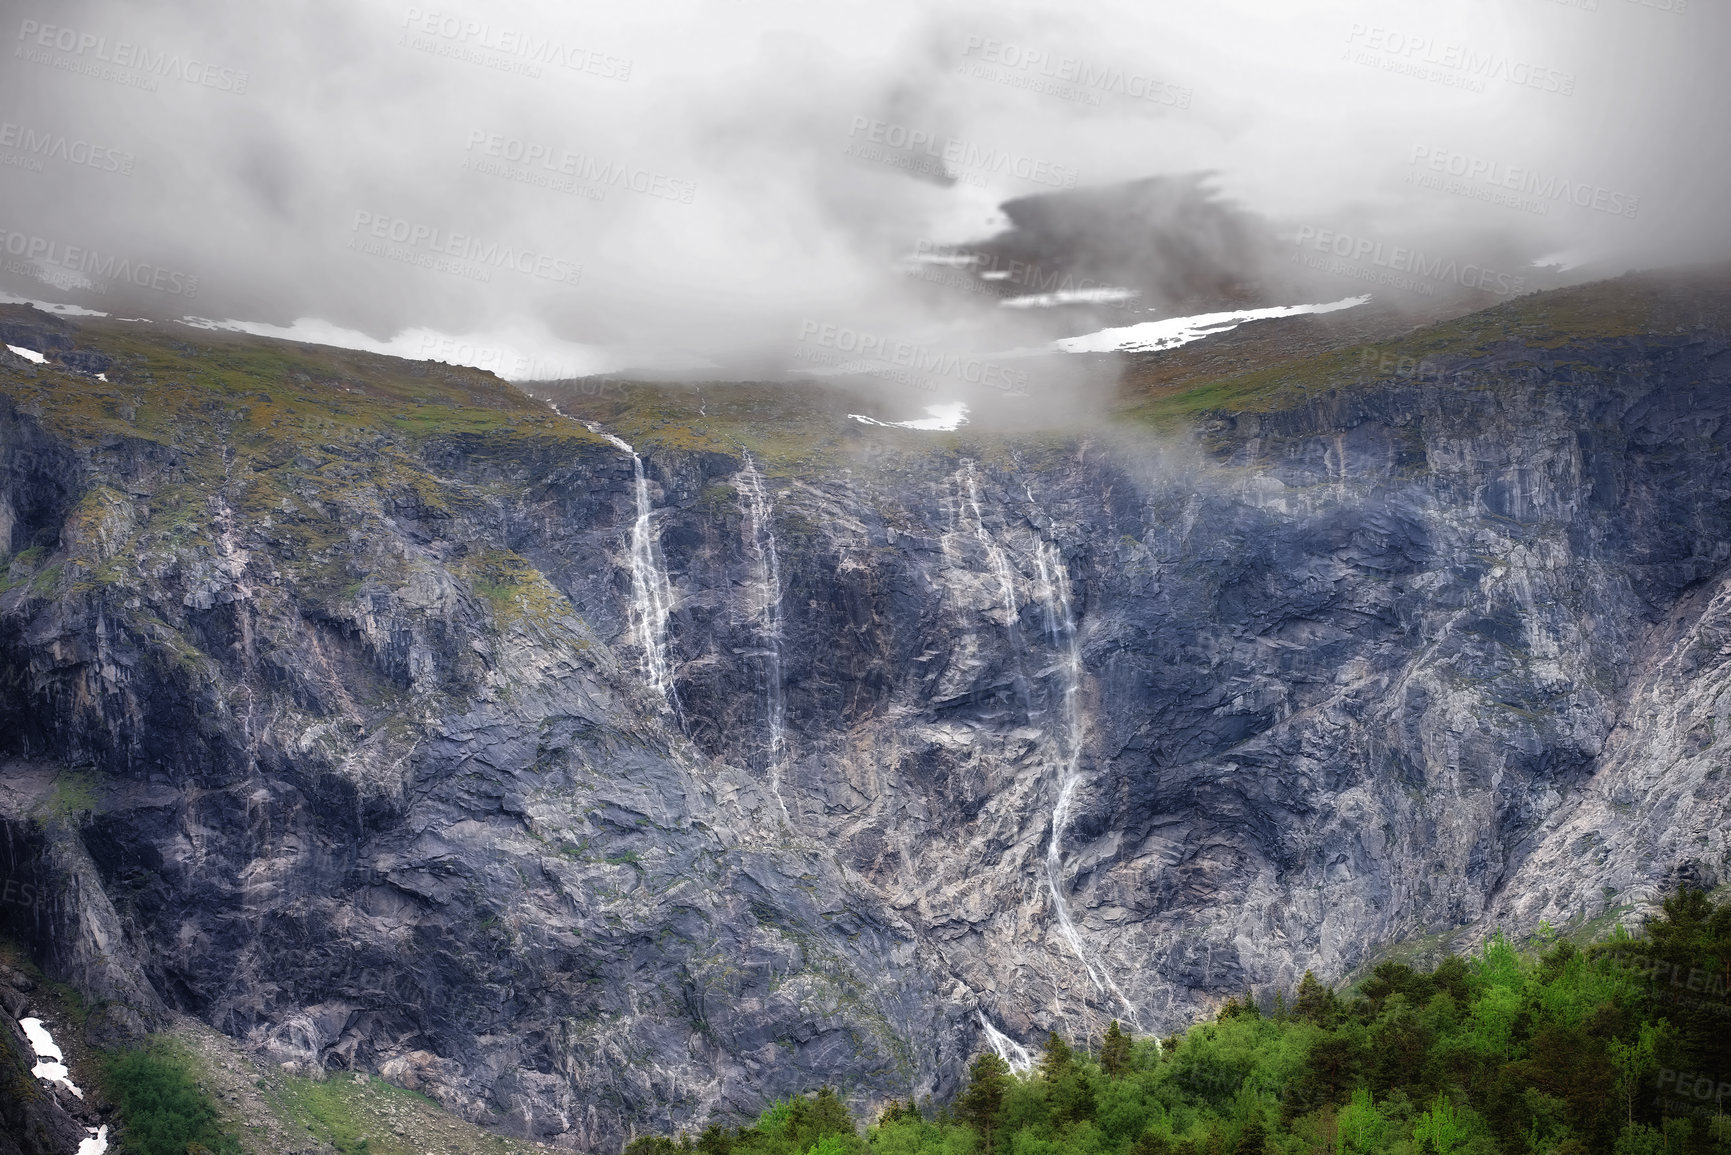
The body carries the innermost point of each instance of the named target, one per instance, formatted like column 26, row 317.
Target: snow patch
column 944, row 419
column 948, row 260
column 51, row 306
column 51, row 1065
column 1562, row 261
column 1100, row 295
column 27, row 354
column 1175, row 331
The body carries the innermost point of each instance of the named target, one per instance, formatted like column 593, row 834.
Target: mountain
column 597, row 781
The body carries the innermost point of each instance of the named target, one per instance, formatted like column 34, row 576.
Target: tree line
column 1620, row 1048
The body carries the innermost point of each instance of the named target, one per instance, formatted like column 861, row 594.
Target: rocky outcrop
column 1029, row 733
column 37, row 1116
column 56, row 898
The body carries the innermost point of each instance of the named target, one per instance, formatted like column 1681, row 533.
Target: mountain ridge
column 375, row 781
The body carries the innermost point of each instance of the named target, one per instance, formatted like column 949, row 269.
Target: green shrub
column 162, row 1109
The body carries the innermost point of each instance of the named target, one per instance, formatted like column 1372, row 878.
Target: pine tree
column 1315, row 1002
column 980, row 1103
column 1115, row 1051
column 1057, row 1060
column 1252, row 1139
column 1152, row 1143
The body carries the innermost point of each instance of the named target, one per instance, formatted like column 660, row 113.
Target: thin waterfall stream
column 1065, row 726
column 759, row 516
column 651, row 591
column 1069, row 735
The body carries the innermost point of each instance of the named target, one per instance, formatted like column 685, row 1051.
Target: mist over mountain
column 683, row 186
column 575, row 578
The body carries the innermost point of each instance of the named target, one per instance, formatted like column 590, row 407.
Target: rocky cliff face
column 344, row 677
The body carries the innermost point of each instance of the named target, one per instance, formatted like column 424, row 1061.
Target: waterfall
column 1014, row 1054
column 766, row 614
column 1065, row 726
column 651, row 591
column 1068, row 735
column 994, row 555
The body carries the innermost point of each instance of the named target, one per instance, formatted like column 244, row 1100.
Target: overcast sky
column 677, row 182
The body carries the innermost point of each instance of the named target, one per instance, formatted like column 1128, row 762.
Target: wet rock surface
column 38, row 1116
column 1412, row 658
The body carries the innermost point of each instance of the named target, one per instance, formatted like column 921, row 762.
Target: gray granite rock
column 1415, row 658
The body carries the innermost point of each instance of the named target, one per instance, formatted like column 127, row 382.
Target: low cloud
column 683, row 186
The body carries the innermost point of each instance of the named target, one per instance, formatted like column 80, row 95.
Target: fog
column 552, row 189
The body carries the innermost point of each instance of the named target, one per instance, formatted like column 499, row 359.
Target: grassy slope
column 269, row 401
column 296, row 440
column 1621, row 309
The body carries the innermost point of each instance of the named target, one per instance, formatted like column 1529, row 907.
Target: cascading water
column 1014, row 1054
column 994, row 554
column 1064, row 725
column 766, row 614
column 1068, row 735
column 651, row 591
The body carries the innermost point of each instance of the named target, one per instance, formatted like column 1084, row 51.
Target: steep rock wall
column 1026, row 733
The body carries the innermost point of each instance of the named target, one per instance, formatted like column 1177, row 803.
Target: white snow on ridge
column 51, row 1065
column 949, row 260
column 52, row 306
column 1100, row 295
column 1175, row 331
column 1562, row 261
column 943, row 419
column 27, row 354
